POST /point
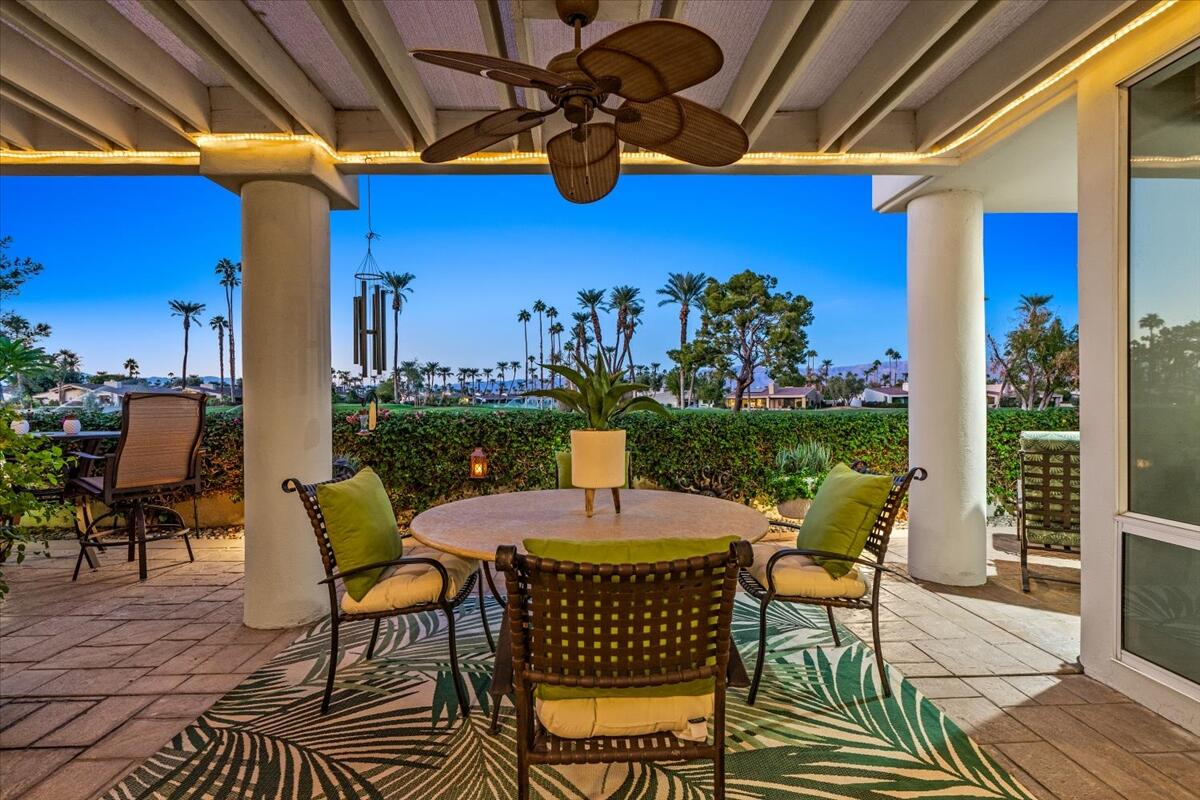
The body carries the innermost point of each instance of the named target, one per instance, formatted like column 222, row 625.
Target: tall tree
column 230, row 274
column 745, row 320
column 687, row 290
column 592, row 301
column 218, row 323
column 398, row 284
column 14, row 271
column 523, row 317
column 893, row 356
column 131, row 367
column 189, row 312
column 501, row 367
column 539, row 308
column 21, row 362
column 555, row 329
column 624, row 301
column 68, row 363
column 1040, row 355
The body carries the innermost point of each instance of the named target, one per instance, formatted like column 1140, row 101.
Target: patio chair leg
column 762, row 651
column 1024, row 566
column 719, row 775
column 883, row 676
column 459, row 687
column 837, row 642
column 374, row 638
column 487, row 629
column 139, row 529
column 78, row 563
column 188, row 544
column 333, row 659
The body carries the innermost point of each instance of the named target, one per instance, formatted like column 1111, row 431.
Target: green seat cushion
column 842, row 515
column 362, row 527
column 1050, row 441
column 563, row 461
column 622, row 551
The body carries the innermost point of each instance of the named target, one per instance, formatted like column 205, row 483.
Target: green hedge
column 422, row 454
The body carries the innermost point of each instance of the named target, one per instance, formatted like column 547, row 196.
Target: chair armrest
column 88, row 456
column 784, row 524
column 431, row 562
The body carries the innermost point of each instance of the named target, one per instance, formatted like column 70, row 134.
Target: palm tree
column 231, row 278
column 189, row 312
column 398, row 284
column 1151, row 322
column 523, row 318
column 487, row 378
column 893, row 356
column 539, row 308
column 21, row 361
column 591, row 300
column 514, row 366
column 552, row 315
column 67, row 362
column 501, row 366
column 131, row 367
column 686, row 289
column 218, row 324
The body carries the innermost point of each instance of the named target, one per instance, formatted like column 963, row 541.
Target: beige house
column 957, row 108
column 778, row 398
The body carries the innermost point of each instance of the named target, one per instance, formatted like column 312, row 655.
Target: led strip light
column 188, row 157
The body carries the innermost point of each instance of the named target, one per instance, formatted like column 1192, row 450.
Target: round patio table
column 477, row 526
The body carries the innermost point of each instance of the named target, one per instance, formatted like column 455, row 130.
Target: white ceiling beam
column 365, row 34
column 240, row 32
column 54, row 85
column 1051, row 31
column 106, row 45
column 671, row 9
column 797, row 57
column 16, row 126
column 952, row 41
column 22, row 100
column 492, row 24
column 913, row 33
column 777, row 29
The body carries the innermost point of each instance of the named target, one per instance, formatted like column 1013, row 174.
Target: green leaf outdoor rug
column 819, row 729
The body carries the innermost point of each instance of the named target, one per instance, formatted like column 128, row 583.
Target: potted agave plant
column 798, row 473
column 598, row 451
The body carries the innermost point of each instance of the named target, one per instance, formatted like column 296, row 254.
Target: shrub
column 422, row 454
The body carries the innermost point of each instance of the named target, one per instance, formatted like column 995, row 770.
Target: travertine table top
column 475, row 527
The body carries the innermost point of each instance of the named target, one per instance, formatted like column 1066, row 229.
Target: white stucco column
column 286, row 385
column 947, row 418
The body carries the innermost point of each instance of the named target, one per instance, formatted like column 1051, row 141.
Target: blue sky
column 482, row 248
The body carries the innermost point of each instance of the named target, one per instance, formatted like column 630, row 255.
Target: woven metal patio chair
column 423, row 579
column 689, row 605
column 1048, row 497
column 808, row 583
column 158, row 452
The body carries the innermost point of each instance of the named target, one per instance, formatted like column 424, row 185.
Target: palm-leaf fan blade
column 480, row 134
column 585, row 162
column 684, row 130
column 648, row 60
column 498, row 69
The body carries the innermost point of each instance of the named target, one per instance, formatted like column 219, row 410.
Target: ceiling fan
column 643, row 64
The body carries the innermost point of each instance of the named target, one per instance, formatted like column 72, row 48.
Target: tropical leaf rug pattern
column 820, row 729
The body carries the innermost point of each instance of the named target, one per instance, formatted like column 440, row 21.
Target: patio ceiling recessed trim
column 947, row 154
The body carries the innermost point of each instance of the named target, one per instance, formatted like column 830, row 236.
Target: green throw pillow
column 842, row 515
column 362, row 527
column 562, row 460
column 623, row 551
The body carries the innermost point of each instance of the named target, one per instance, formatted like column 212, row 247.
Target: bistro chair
column 674, row 629
column 1048, row 496
column 158, row 452
column 422, row 579
column 789, row 575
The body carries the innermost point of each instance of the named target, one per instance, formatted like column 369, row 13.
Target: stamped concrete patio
column 96, row 676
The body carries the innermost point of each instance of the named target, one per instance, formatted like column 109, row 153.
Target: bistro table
column 87, row 442
column 477, row 526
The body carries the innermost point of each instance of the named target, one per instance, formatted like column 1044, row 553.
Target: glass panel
column 1160, row 607
column 1164, row 293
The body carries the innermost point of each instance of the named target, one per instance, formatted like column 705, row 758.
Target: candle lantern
column 479, row 464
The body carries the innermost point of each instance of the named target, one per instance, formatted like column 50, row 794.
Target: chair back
column 620, row 625
column 308, row 497
column 1049, row 488
column 160, row 441
column 881, row 531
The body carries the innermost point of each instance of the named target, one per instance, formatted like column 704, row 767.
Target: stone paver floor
column 96, row 676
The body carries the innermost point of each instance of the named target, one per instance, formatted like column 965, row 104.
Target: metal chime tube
column 362, row 330
column 381, row 333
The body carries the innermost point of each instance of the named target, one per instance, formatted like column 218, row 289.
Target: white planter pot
column 795, row 509
column 598, row 459
column 19, row 426
column 72, row 426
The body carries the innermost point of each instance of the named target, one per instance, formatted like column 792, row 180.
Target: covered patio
column 958, row 109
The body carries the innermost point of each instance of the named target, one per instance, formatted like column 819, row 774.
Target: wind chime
column 370, row 309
